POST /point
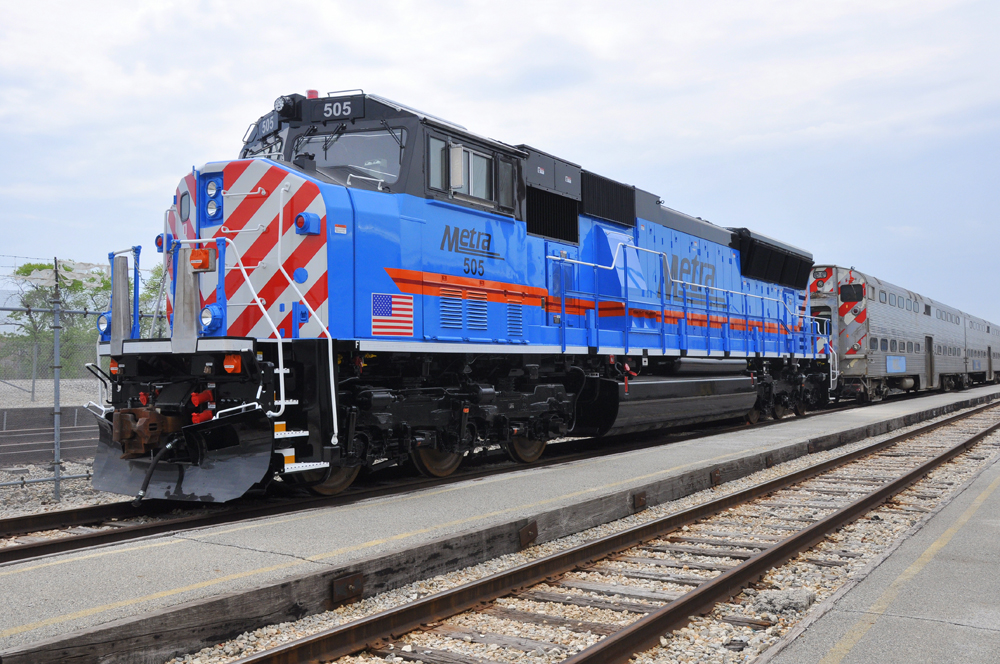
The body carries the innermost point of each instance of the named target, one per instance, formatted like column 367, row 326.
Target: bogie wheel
column 340, row 479
column 779, row 411
column 435, row 463
column 525, row 450
column 800, row 408
column 753, row 416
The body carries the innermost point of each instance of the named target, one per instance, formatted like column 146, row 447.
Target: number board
column 268, row 124
column 337, row 108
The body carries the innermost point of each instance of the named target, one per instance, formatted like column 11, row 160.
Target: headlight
column 212, row 208
column 212, row 318
column 211, row 188
column 819, row 284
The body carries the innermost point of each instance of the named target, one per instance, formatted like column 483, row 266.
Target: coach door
column 989, row 363
column 929, row 349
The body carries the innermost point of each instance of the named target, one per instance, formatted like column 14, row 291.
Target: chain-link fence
column 48, row 335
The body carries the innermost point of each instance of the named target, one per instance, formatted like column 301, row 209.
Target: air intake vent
column 552, row 215
column 451, row 308
column 515, row 317
column 477, row 307
column 608, row 199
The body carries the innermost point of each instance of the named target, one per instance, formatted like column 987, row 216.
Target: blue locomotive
column 369, row 285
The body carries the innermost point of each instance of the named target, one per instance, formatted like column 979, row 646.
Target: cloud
column 841, row 127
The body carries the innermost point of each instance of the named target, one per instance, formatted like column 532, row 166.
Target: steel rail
column 645, row 633
column 368, row 632
column 60, row 519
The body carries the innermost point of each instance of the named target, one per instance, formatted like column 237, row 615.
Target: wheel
column 340, row 479
column 435, row 463
column 525, row 450
column 800, row 408
column 753, row 416
column 779, row 411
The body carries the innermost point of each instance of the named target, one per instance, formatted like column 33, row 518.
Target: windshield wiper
column 393, row 134
column 334, row 137
column 301, row 137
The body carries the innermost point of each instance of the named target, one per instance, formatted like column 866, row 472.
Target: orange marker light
column 233, row 364
column 203, row 260
column 114, row 367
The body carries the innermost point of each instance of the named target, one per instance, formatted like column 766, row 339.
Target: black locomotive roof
column 609, row 199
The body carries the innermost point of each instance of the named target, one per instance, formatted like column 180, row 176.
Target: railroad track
column 61, row 531
column 653, row 577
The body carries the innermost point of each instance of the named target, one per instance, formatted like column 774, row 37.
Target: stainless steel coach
column 890, row 338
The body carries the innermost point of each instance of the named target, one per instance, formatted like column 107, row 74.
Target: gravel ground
column 35, row 498
column 706, row 639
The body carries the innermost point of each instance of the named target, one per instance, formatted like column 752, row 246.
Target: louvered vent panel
column 451, row 308
column 477, row 302
column 607, row 199
column 552, row 215
column 515, row 317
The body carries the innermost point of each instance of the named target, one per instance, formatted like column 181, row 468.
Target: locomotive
column 369, row 285
column 890, row 338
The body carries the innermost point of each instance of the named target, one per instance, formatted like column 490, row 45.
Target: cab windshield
column 372, row 156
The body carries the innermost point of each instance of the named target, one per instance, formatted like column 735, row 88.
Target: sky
column 865, row 132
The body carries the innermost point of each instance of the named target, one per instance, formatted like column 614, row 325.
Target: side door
column 929, row 350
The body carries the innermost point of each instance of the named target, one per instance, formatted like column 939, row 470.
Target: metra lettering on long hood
column 468, row 241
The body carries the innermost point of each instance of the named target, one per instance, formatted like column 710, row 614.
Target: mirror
column 455, row 154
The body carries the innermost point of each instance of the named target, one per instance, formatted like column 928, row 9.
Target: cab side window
column 486, row 178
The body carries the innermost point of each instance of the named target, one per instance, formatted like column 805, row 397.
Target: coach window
column 927, row 310
column 873, row 343
column 916, row 348
column 892, row 346
column 909, row 305
column 899, row 302
column 885, row 344
column 909, row 346
column 881, row 296
column 892, row 299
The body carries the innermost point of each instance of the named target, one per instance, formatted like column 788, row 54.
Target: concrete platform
column 936, row 598
column 292, row 559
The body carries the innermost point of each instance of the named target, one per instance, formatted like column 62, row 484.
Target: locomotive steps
column 276, row 570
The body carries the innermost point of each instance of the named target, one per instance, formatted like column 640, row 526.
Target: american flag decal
column 392, row 315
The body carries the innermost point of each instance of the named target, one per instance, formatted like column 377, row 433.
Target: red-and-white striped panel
column 180, row 230
column 251, row 221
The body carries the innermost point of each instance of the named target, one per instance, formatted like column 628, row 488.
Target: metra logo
column 468, row 241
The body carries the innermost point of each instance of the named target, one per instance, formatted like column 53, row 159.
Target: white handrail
column 302, row 298
column 263, row 310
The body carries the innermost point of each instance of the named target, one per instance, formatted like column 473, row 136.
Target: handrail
column 167, row 251
column 664, row 258
column 267, row 317
column 302, row 298
column 670, row 276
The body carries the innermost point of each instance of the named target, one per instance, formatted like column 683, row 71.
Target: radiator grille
column 607, row 199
